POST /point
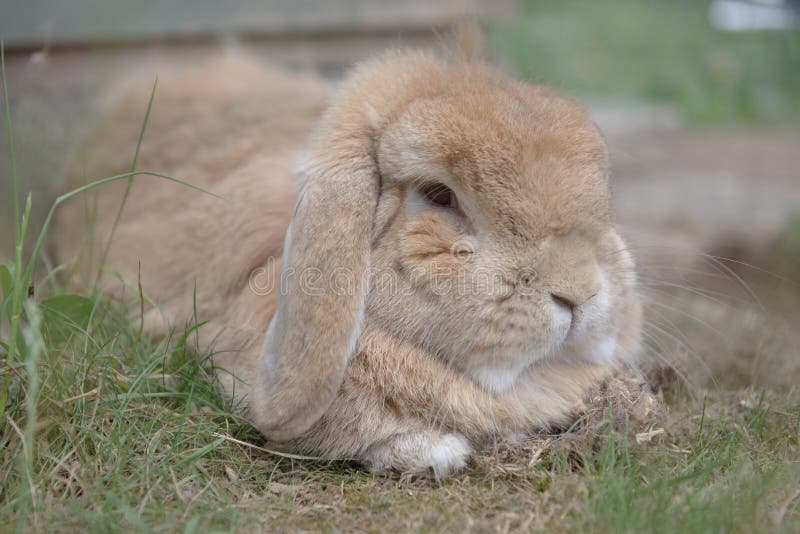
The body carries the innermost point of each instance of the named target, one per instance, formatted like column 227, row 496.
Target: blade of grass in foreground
column 66, row 196
column 125, row 195
column 33, row 340
column 13, row 309
column 9, row 133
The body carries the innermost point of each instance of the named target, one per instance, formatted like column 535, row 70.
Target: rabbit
column 402, row 271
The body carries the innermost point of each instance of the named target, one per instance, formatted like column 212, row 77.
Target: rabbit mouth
column 497, row 379
column 575, row 345
column 598, row 350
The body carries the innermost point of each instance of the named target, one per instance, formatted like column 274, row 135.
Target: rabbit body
column 398, row 376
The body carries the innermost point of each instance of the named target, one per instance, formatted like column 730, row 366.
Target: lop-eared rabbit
column 419, row 263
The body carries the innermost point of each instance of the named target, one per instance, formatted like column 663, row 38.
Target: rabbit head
column 458, row 210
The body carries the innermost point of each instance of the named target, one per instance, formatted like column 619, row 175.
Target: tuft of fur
column 468, row 39
column 389, row 369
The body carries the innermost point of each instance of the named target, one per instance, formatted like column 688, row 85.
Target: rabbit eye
column 440, row 194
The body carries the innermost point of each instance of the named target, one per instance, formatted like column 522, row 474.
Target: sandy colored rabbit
column 430, row 253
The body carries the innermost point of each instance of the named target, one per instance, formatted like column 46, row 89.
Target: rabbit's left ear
column 323, row 284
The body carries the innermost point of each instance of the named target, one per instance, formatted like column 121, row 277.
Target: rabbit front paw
column 417, row 452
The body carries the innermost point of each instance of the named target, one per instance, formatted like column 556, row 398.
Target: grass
column 106, row 430
column 663, row 52
column 123, row 433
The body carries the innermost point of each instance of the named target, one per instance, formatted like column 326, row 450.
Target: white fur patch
column 448, row 454
column 418, row 452
column 594, row 350
column 351, row 344
column 372, row 116
column 605, row 349
column 496, row 379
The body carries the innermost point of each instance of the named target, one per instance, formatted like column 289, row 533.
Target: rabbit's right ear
column 323, row 291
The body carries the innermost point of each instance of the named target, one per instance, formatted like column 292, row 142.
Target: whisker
column 720, row 261
column 650, row 352
column 690, row 316
column 738, row 278
column 671, row 324
column 756, row 268
column 688, row 349
column 701, row 292
column 687, row 270
column 660, row 287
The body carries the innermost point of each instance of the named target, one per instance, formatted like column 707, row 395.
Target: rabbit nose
column 571, row 302
column 564, row 301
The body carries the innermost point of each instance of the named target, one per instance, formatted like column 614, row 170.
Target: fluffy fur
column 399, row 332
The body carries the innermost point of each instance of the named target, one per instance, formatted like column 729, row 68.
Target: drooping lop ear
column 323, row 288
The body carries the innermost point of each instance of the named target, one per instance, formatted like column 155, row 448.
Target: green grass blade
column 66, row 196
column 130, row 514
column 199, row 453
column 15, row 305
column 10, row 134
column 125, row 195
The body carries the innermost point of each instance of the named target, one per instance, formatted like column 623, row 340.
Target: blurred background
column 699, row 100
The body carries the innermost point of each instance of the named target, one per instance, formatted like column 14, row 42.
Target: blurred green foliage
column 656, row 50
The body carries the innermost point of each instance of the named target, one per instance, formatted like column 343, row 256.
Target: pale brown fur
column 224, row 126
column 391, row 371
